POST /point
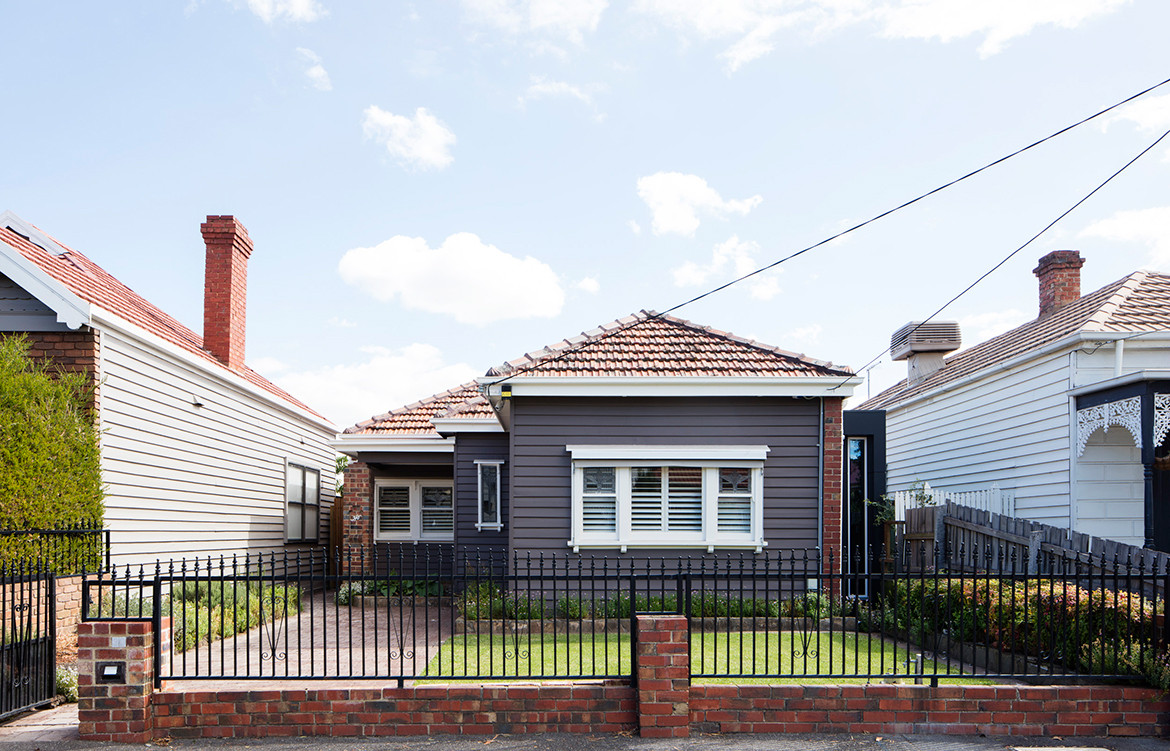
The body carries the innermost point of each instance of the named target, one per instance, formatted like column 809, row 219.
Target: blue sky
column 434, row 188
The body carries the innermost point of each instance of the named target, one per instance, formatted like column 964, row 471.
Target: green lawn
column 833, row 658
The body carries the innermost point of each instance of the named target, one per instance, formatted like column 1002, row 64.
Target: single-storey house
column 649, row 436
column 200, row 455
column 1070, row 411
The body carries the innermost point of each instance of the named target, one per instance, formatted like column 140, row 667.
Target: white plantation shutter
column 735, row 501
column 599, row 500
column 438, row 517
column 684, row 499
column 394, row 510
column 646, row 499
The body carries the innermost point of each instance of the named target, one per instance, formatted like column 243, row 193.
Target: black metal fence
column 27, row 638
column 780, row 616
column 65, row 551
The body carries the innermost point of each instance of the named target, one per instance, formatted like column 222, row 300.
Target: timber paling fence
column 794, row 615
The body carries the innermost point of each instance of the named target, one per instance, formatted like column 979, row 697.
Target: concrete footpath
column 56, row 730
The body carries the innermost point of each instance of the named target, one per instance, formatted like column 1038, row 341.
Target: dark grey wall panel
column 468, row 448
column 540, row 465
column 20, row 311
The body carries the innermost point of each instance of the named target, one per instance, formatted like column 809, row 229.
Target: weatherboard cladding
column 470, row 447
column 20, row 311
column 540, row 466
column 1138, row 302
column 92, row 283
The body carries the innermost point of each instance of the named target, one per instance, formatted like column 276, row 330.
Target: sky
column 434, row 188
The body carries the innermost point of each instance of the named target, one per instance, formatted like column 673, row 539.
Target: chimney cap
column 1059, row 259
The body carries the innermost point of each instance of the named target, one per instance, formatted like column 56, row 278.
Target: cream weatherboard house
column 200, row 455
column 1070, row 412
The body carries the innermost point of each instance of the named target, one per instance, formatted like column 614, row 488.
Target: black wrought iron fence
column 27, row 638
column 778, row 616
column 64, row 551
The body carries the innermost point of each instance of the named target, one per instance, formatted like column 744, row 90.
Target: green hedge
column 50, row 472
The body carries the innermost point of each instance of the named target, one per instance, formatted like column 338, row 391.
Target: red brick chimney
column 225, row 291
column 1060, row 279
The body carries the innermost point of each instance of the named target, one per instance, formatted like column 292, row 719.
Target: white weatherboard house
column 1070, row 411
column 200, row 455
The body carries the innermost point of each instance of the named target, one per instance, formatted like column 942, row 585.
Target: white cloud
column 341, row 323
column 267, row 365
column 983, row 326
column 465, row 278
column 730, row 259
column 634, row 227
column 1149, row 227
column 567, row 19
column 420, row 141
column 589, row 284
column 541, row 88
column 318, row 77
column 751, row 27
column 676, row 200
column 1151, row 114
column 301, row 11
column 351, row 393
column 810, row 334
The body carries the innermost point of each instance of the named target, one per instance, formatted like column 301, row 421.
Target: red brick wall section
column 69, row 351
column 225, row 291
column 422, row 710
column 119, row 713
column 1060, row 279
column 357, row 523
column 68, row 616
column 833, row 448
column 988, row 710
column 664, row 676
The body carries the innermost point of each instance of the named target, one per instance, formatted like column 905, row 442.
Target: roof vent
column 932, row 336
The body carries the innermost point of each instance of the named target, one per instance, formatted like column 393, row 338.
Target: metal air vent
column 932, row 336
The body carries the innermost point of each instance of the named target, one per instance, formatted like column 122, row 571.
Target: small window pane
column 735, row 480
column 312, row 486
column 394, row 510
column 599, row 514
column 312, row 521
column 437, row 521
column 295, row 489
column 295, row 521
column 489, row 493
column 735, row 515
column 685, row 502
column 436, row 497
column 647, row 480
column 599, row 479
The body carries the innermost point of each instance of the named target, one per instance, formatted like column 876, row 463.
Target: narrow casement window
column 490, row 513
column 394, row 510
column 302, row 497
column 599, row 500
column 735, row 500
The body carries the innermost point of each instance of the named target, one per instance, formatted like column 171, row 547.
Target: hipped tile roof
column 92, row 283
column 1138, row 302
column 644, row 344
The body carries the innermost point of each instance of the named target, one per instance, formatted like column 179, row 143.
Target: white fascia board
column 477, row 425
column 107, row 320
column 1123, row 380
column 635, row 452
column 351, row 445
column 819, row 386
column 71, row 310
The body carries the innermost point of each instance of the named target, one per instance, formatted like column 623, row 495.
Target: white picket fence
column 991, row 499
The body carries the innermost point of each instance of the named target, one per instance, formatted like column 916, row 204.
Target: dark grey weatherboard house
column 650, row 435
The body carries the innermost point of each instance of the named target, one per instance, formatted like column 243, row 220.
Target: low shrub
column 67, row 683
column 202, row 612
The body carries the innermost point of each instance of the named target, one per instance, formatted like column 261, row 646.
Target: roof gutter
column 1067, row 342
column 354, row 444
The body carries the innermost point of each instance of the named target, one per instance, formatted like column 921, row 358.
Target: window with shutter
column 414, row 510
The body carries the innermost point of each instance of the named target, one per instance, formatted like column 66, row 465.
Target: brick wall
column 664, row 676
column 833, row 448
column 71, row 352
column 987, row 710
column 68, row 616
column 357, row 524
column 116, row 712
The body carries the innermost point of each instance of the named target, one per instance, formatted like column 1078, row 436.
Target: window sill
column 709, row 545
column 489, row 527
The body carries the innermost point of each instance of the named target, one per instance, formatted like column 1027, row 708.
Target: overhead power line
column 865, row 223
column 1030, row 240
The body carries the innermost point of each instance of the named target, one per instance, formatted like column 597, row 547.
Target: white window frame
column 292, row 467
column 710, row 458
column 480, row 524
column 416, row 533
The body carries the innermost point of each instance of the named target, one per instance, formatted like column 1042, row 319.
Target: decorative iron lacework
column 1126, row 413
column 1161, row 418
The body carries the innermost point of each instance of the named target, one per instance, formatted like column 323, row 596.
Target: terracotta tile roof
column 93, row 284
column 415, row 419
column 646, row 344
column 637, row 345
column 1138, row 302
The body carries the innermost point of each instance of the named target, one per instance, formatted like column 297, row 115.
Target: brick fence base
column 664, row 703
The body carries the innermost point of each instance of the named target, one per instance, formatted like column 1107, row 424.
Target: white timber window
column 667, row 496
column 414, row 510
column 302, row 510
column 489, row 477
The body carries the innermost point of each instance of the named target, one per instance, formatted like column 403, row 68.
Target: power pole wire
column 854, row 228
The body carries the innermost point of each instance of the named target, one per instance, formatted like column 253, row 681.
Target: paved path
column 56, row 724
